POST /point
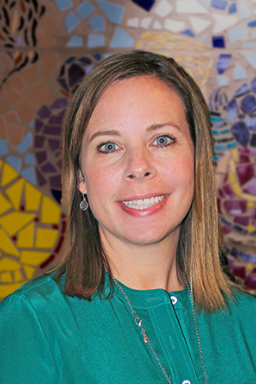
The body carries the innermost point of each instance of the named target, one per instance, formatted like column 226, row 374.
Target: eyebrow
column 117, row 133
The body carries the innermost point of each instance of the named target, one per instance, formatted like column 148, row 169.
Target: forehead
column 138, row 98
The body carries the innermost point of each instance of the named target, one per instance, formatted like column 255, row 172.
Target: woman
column 141, row 296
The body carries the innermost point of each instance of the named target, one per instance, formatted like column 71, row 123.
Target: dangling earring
column 84, row 205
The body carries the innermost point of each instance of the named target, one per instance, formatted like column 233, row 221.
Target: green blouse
column 48, row 337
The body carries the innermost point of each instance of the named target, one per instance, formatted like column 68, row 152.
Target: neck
column 143, row 267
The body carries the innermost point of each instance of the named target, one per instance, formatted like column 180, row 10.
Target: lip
column 144, row 212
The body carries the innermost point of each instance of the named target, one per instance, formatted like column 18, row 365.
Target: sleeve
column 25, row 354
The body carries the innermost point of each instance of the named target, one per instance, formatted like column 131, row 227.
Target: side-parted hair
column 200, row 242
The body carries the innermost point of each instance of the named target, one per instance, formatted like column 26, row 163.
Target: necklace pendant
column 145, row 338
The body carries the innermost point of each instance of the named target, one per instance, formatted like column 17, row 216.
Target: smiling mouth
column 143, row 203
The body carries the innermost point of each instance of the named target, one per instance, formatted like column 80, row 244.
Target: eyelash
column 172, row 138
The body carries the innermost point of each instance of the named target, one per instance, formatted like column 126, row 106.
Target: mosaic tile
column 33, row 258
column 63, row 4
column 6, row 244
column 236, row 34
column 30, row 159
column 232, row 110
column 121, row 39
column 243, row 220
column 251, row 58
column 13, row 222
column 251, row 187
column 85, row 9
column 223, row 62
column 145, row 4
column 3, row 147
column 240, row 73
column 8, row 175
column 39, row 141
column 188, row 32
column 253, row 85
column 219, row 4
column 250, row 282
column 44, row 112
column 26, row 143
column 252, row 24
column 242, row 90
column 235, row 207
column 244, row 11
column 96, row 40
column 45, row 238
column 113, row 12
column 145, row 22
column 190, row 6
column 163, row 8
column 248, row 104
column 218, row 42
column 55, row 182
column 14, row 193
column 15, row 132
column 232, row 8
column 4, row 204
column 241, row 133
column 97, row 23
column 71, row 21
column 8, row 264
column 26, row 237
column 50, row 212
column 75, row 41
column 40, row 178
column 50, row 61
column 29, row 174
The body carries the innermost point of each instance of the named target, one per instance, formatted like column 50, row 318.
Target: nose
column 139, row 165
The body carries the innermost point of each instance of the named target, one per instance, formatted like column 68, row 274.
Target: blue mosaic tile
column 97, row 23
column 113, row 12
column 248, row 104
column 85, row 9
column 252, row 24
column 253, row 85
column 71, row 21
column 75, row 41
column 240, row 73
column 63, row 4
column 3, row 147
column 241, row 133
column 29, row 174
column 30, row 159
column 242, row 90
column 236, row 34
column 15, row 162
column 96, row 40
column 26, row 143
column 232, row 110
column 145, row 4
column 251, row 122
column 244, row 11
column 232, row 8
column 188, row 32
column 219, row 4
column 121, row 39
column 223, row 62
column 251, row 58
column 218, row 42
column 31, row 124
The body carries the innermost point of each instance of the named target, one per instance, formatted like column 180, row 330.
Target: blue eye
column 107, row 147
column 164, row 140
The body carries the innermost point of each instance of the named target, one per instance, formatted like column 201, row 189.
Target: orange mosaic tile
column 12, row 98
column 30, row 74
column 26, row 111
column 15, row 132
column 43, row 40
column 5, row 91
column 17, row 82
column 52, row 26
column 13, row 116
column 38, row 94
column 50, row 61
column 2, row 107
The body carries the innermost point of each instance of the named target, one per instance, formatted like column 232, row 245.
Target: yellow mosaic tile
column 18, row 276
column 251, row 228
column 7, row 264
column 26, row 237
column 32, row 198
column 248, row 197
column 250, row 204
column 6, row 244
column 33, row 257
column 50, row 212
column 7, row 289
column 45, row 238
column 4, row 204
column 235, row 155
column 237, row 189
column 29, row 271
column 9, row 174
column 14, row 221
column 249, row 266
column 232, row 177
column 6, row 277
column 14, row 193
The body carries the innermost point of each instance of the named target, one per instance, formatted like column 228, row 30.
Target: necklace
column 138, row 322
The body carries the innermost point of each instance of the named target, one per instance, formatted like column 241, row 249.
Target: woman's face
column 137, row 158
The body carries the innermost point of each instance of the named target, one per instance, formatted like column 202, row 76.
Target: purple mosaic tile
column 235, row 207
column 54, row 144
column 41, row 156
column 44, row 112
column 253, row 85
column 41, row 181
column 251, row 187
column 55, row 182
column 55, row 120
column 218, row 42
column 48, row 168
column 248, row 258
column 251, row 122
column 248, row 104
column 239, row 271
column 38, row 125
column 39, row 141
column 253, row 141
column 60, row 103
column 63, row 84
column 75, row 74
column 232, row 110
column 52, row 130
column 226, row 229
column 243, row 220
column 59, row 163
column 242, row 90
column 145, row 4
column 241, row 133
column 250, row 281
column 245, row 173
column 229, row 193
column 244, row 159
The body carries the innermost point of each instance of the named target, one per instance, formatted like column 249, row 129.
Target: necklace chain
column 138, row 322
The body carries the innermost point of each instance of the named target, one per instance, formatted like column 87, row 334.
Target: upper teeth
column 143, row 203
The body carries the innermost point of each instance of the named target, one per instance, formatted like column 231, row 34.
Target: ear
column 81, row 185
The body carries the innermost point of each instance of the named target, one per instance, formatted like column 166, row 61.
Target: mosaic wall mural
column 47, row 47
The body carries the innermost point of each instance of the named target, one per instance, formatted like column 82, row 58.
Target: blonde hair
column 200, row 243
